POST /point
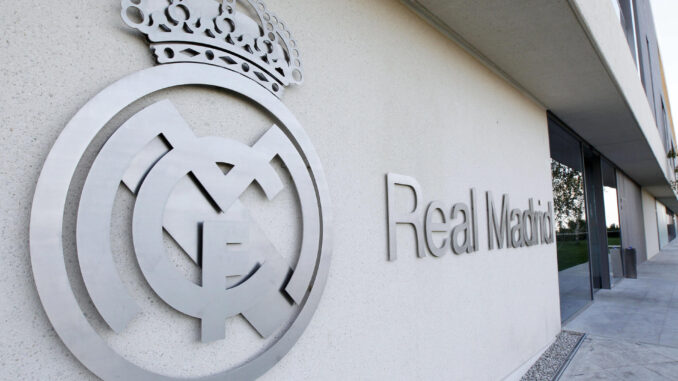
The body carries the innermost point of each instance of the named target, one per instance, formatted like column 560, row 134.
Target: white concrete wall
column 650, row 222
column 383, row 92
column 608, row 36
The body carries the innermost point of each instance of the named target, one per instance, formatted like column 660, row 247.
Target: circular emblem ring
column 47, row 213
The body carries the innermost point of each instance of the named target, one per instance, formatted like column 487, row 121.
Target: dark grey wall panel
column 626, row 9
column 631, row 216
column 595, row 210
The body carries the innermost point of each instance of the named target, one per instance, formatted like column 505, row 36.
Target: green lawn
column 613, row 241
column 572, row 253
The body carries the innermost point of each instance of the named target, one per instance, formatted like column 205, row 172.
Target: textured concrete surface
column 383, row 92
column 633, row 328
column 602, row 358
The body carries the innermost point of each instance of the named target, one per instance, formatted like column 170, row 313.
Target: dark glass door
column 612, row 224
column 572, row 241
column 595, row 211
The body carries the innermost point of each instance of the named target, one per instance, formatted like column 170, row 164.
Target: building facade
column 477, row 171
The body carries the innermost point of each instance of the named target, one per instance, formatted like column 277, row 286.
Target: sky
column 666, row 24
column 611, row 209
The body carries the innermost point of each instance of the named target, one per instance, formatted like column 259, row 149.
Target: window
column 569, row 204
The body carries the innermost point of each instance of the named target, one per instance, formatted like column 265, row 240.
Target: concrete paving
column 633, row 328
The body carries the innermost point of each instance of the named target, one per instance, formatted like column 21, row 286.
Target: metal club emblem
column 181, row 188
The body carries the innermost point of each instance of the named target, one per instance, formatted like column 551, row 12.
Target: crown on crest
column 242, row 36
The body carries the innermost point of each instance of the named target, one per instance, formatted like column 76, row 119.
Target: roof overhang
column 572, row 58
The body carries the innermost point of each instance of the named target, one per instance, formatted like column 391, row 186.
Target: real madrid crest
column 185, row 188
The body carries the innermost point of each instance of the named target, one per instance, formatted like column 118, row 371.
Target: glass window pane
column 570, row 222
column 610, row 200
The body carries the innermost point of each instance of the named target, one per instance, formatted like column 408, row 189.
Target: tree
column 568, row 197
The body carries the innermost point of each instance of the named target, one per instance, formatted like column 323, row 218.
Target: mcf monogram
column 189, row 188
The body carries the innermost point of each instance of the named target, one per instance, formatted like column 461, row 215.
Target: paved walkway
column 633, row 328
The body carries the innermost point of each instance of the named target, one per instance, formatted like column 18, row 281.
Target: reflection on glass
column 613, row 233
column 571, row 238
column 671, row 225
column 664, row 223
column 567, row 167
column 614, row 252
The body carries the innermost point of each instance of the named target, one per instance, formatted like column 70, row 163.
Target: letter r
column 413, row 217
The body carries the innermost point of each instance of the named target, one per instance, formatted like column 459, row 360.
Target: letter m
column 498, row 232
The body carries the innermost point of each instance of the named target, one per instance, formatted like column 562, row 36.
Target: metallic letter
column 547, row 231
column 496, row 232
column 474, row 217
column 436, row 227
column 461, row 228
column 534, row 237
column 412, row 218
column 517, row 229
